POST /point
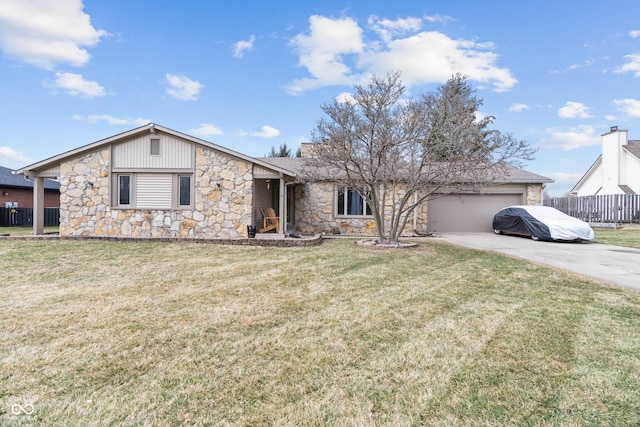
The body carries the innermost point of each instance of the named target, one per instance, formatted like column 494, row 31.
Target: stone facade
column 219, row 211
column 315, row 202
column 534, row 195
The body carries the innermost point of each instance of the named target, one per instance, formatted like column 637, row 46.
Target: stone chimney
column 308, row 150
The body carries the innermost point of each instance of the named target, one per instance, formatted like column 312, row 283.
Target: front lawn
column 105, row 333
column 625, row 236
column 25, row 231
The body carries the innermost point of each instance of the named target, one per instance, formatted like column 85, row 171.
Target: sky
column 250, row 75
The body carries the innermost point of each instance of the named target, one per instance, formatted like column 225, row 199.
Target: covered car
column 541, row 223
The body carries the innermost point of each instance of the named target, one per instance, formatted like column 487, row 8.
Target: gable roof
column 633, row 147
column 587, row 173
column 521, row 176
column 512, row 176
column 32, row 170
column 9, row 179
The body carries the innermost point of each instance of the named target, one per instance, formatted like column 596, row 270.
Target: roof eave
column 32, row 170
column 587, row 173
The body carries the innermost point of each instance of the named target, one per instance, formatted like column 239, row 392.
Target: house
column 324, row 207
column 17, row 192
column 616, row 170
column 156, row 182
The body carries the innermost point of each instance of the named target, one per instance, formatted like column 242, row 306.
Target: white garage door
column 469, row 212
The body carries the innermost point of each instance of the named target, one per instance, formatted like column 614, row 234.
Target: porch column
column 38, row 205
column 281, row 207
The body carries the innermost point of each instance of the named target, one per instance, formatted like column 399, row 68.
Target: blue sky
column 250, row 75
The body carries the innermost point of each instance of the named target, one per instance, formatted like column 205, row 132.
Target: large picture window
column 142, row 190
column 351, row 203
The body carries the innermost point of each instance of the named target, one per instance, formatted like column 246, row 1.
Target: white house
column 616, row 171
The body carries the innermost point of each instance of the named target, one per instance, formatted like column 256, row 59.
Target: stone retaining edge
column 279, row 243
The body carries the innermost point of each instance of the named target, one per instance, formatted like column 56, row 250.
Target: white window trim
column 176, row 192
column 346, row 215
column 132, row 190
column 175, row 189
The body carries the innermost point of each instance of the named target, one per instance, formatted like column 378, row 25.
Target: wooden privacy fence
column 23, row 217
column 614, row 208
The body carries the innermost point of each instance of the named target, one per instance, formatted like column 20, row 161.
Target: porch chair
column 270, row 221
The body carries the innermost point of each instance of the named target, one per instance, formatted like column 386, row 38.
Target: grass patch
column 104, row 333
column 628, row 237
column 25, row 231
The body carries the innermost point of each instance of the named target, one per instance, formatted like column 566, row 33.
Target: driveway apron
column 613, row 264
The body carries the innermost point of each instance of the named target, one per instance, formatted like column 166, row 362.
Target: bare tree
column 398, row 152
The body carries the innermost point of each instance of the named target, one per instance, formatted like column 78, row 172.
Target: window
column 184, row 190
column 124, row 189
column 155, row 146
column 142, row 190
column 351, row 203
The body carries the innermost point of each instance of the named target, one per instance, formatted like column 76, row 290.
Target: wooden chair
column 270, row 221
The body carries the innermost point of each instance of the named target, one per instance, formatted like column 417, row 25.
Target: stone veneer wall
column 221, row 213
column 534, row 194
column 315, row 207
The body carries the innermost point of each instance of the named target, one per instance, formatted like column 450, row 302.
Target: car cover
column 542, row 222
column 517, row 220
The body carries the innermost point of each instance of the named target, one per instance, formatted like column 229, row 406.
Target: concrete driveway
column 613, row 264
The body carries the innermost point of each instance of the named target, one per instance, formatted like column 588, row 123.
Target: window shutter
column 153, row 191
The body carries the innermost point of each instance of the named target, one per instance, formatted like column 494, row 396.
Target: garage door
column 470, row 212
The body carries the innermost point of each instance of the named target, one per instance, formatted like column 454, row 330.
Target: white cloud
column 587, row 63
column 334, row 48
column 45, row 33
column 240, row 46
column 574, row 110
column 110, row 120
column 344, row 97
column 634, row 33
column 206, row 129
column 480, row 116
column 633, row 66
column 266, row 132
column 76, row 85
column 563, row 182
column 581, row 136
column 10, row 154
column 444, row 19
column 630, row 107
column 565, row 177
column 516, row 108
column 182, row 87
column 321, row 52
column 387, row 29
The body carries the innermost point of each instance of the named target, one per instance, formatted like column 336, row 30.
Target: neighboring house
column 156, row 182
column 17, row 191
column 617, row 169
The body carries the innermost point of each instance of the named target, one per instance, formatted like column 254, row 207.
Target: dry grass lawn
column 628, row 236
column 104, row 333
